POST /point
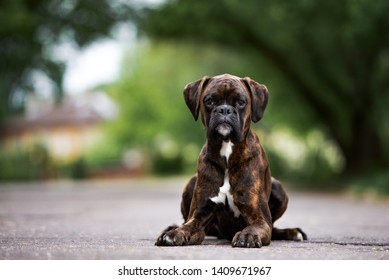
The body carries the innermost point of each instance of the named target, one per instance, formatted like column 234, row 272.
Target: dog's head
column 227, row 105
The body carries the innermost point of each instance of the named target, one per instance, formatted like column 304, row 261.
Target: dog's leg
column 187, row 197
column 173, row 235
column 192, row 232
column 185, row 206
column 257, row 233
column 198, row 215
column 295, row 234
column 278, row 202
column 254, row 209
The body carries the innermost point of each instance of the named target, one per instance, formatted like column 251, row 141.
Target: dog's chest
column 224, row 194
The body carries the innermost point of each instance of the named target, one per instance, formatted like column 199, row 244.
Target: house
column 65, row 129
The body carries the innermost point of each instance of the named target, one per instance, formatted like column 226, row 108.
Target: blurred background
column 92, row 89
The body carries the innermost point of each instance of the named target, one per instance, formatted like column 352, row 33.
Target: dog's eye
column 208, row 101
column 241, row 103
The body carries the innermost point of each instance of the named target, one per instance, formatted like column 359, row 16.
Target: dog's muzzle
column 224, row 119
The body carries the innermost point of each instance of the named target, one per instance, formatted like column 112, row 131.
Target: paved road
column 121, row 219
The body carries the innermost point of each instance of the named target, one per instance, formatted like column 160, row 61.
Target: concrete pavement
column 121, row 220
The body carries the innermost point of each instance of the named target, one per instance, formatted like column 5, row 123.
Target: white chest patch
column 224, row 194
column 226, row 149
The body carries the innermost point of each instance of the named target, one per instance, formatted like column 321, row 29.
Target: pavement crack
column 341, row 243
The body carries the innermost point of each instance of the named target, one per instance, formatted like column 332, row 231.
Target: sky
column 97, row 64
column 100, row 62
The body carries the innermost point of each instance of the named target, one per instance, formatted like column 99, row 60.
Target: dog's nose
column 224, row 110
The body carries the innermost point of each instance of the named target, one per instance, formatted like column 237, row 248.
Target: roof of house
column 87, row 109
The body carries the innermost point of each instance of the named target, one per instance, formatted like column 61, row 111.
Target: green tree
column 330, row 56
column 30, row 31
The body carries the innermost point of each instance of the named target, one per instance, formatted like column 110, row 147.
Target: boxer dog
column 233, row 195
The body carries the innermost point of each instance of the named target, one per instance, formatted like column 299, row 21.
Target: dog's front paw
column 251, row 237
column 173, row 237
column 247, row 240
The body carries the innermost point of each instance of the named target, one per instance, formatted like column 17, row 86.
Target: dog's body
column 233, row 195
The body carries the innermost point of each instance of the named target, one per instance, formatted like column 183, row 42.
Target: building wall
column 64, row 142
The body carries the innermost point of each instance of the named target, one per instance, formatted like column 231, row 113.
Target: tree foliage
column 332, row 56
column 30, row 32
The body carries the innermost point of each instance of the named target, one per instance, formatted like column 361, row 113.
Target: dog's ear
column 259, row 98
column 192, row 95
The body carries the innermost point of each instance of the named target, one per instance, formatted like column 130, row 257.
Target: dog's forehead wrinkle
column 225, row 83
column 226, row 76
column 226, row 95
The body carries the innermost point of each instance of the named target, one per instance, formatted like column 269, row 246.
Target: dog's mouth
column 224, row 129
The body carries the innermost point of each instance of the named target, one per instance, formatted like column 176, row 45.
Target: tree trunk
column 364, row 151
